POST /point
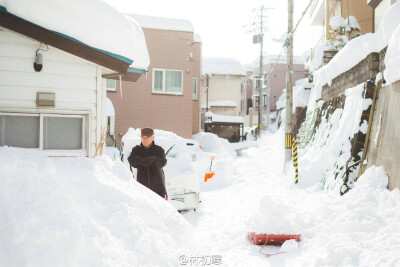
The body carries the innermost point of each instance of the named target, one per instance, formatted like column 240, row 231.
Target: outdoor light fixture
column 38, row 64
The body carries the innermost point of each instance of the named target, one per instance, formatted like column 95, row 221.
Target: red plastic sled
column 270, row 239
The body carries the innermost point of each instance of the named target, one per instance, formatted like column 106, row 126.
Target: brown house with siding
column 167, row 98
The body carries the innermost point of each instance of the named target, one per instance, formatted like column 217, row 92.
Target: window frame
column 163, row 92
column 109, row 89
column 196, row 96
column 56, row 152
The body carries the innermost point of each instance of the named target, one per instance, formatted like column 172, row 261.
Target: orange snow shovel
column 210, row 174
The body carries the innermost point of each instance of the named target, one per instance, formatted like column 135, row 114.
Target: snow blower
column 210, row 174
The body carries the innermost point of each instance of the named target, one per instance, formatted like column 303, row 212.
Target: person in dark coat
column 149, row 159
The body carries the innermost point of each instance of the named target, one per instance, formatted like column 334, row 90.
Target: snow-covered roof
column 93, row 23
column 222, row 66
column 220, row 103
column 224, row 118
column 160, row 23
column 272, row 59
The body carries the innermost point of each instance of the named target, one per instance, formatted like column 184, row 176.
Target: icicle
column 120, row 85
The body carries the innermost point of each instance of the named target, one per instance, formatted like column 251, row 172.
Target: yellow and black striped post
column 295, row 160
column 288, row 141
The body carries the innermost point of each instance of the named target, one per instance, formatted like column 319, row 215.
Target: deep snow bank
column 82, row 212
column 325, row 157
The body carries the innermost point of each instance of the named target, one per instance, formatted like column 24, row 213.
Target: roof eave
column 40, row 34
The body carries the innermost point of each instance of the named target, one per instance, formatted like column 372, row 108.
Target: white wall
column 76, row 83
column 224, row 87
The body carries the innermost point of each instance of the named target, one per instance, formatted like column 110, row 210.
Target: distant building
column 273, row 87
column 223, row 77
column 167, row 98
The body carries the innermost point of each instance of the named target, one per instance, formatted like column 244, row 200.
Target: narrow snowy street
column 335, row 230
column 221, row 222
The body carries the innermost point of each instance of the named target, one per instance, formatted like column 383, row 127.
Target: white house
column 54, row 59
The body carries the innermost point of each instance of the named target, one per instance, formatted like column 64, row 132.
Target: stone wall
column 365, row 70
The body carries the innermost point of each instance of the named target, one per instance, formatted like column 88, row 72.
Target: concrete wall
column 384, row 148
column 139, row 107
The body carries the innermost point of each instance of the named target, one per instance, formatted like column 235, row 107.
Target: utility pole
column 259, row 28
column 207, row 81
column 260, row 81
column 289, row 86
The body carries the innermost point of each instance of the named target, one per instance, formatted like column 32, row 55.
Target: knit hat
column 147, row 132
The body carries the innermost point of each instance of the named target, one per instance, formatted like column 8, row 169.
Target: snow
column 392, row 58
column 81, row 211
column 222, row 66
column 330, row 147
column 358, row 229
column 94, row 23
column 224, row 118
column 109, row 108
column 281, row 103
column 220, row 103
column 160, row 23
column 301, row 95
column 180, row 158
column 272, row 217
column 354, row 51
column 353, row 23
column 90, row 212
column 337, row 22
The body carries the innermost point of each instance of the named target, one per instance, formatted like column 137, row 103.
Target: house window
column 43, row 131
column 195, row 86
column 168, row 81
column 111, row 85
column 19, row 130
column 62, row 133
column 255, row 101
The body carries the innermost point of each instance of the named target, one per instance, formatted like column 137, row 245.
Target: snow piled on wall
column 355, row 51
column 327, row 153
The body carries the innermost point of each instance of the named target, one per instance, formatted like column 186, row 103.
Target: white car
column 182, row 180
